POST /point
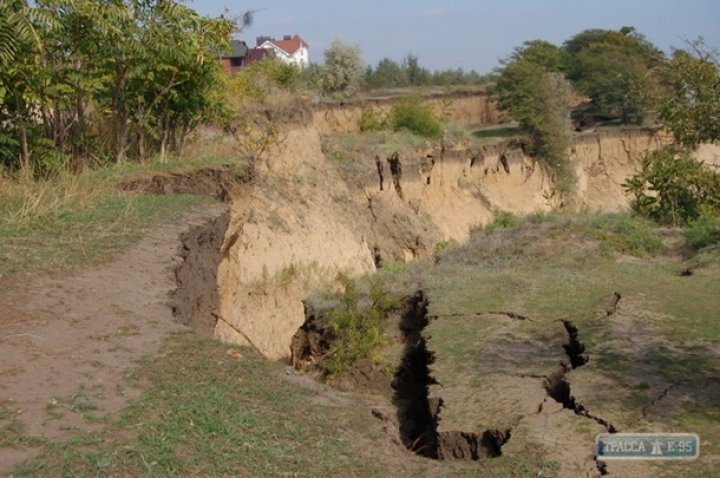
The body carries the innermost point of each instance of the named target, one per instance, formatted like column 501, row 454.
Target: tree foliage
column 672, row 187
column 414, row 115
column 532, row 87
column 86, row 81
column 389, row 73
column 692, row 111
column 343, row 69
column 617, row 70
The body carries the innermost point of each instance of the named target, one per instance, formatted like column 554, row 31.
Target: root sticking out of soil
column 419, row 414
column 380, row 170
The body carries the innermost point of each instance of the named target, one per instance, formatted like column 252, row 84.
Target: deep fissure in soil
column 556, row 384
column 418, row 413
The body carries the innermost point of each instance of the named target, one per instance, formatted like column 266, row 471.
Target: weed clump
column 417, row 117
column 627, row 234
column 358, row 327
column 370, row 120
column 503, row 220
column 703, row 231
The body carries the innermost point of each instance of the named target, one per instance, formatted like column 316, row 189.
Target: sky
column 465, row 33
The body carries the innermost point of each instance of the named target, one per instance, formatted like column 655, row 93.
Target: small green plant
column 287, row 274
column 358, row 327
column 503, row 220
column 627, row 234
column 443, row 246
column 703, row 231
column 412, row 114
column 370, row 120
column 673, row 188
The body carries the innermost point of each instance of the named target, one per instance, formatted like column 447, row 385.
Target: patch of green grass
column 703, row 231
column 498, row 133
column 72, row 220
column 503, row 220
column 625, row 233
column 12, row 435
column 117, row 172
column 208, row 414
column 77, row 235
column 706, row 423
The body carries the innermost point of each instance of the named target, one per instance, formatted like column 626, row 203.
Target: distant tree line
column 391, row 74
column 344, row 72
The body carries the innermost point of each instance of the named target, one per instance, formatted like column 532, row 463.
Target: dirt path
column 66, row 343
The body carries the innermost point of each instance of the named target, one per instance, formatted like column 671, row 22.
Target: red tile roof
column 290, row 46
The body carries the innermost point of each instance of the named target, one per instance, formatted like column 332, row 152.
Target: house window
column 237, row 61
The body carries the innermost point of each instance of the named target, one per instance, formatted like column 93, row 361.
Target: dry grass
column 25, row 202
column 73, row 220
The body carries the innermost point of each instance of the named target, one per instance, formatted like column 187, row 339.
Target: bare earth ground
column 67, row 342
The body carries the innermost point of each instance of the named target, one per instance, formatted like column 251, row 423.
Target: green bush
column 627, row 234
column 503, row 220
column 673, row 188
column 703, row 231
column 412, row 114
column 370, row 120
column 358, row 328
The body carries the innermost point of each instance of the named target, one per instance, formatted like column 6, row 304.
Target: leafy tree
column 343, row 69
column 416, row 74
column 82, row 80
column 616, row 69
column 387, row 74
column 692, row 110
column 532, row 87
column 19, row 58
column 674, row 188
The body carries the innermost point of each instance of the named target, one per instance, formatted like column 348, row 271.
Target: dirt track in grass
column 67, row 342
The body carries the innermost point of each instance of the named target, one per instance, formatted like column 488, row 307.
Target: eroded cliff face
column 604, row 161
column 473, row 109
column 306, row 218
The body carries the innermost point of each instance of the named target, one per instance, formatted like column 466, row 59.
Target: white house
column 291, row 49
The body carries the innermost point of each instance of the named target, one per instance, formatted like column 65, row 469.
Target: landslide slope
column 324, row 202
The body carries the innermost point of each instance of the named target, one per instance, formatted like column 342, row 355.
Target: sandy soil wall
column 471, row 110
column 304, row 219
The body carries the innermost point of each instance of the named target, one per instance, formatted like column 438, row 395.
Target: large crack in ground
column 418, row 413
column 558, row 388
column 556, row 384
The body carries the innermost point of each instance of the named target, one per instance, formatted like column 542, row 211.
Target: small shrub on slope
column 417, row 117
column 358, row 328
